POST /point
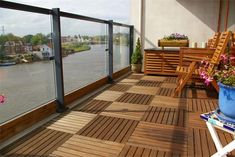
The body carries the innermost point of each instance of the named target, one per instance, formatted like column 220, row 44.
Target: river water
column 27, row 86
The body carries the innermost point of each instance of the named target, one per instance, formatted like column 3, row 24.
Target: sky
column 22, row 23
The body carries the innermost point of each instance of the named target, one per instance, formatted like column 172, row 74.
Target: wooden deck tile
column 109, row 128
column 170, row 80
column 154, row 78
column 166, row 92
column 195, row 121
column 201, row 105
column 78, row 146
column 124, row 110
column 135, row 151
column 71, row 123
column 148, row 83
column 168, row 116
column 135, row 76
column 128, row 81
column 133, row 120
column 109, row 96
column 143, row 90
column 120, row 87
column 40, row 144
column 94, row 106
column 160, row 137
column 164, row 101
column 133, row 98
column 201, row 144
column 169, row 85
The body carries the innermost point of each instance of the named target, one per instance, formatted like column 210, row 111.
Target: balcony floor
column 135, row 117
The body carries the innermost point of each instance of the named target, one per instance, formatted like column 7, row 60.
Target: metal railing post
column 131, row 41
column 58, row 60
column 110, row 51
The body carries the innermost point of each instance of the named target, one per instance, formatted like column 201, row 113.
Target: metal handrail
column 34, row 9
column 24, row 7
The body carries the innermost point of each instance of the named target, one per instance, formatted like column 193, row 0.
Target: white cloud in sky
column 22, row 23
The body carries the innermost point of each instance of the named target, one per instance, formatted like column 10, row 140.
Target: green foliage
column 137, row 57
column 176, row 36
column 39, row 39
column 28, row 38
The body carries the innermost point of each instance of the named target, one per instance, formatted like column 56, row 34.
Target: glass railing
column 121, row 47
column 26, row 78
column 30, row 61
column 84, row 47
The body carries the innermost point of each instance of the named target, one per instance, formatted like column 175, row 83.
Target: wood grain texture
column 160, row 137
column 94, row 106
column 109, row 128
column 78, row 146
column 168, row 116
column 133, row 98
column 125, row 110
column 143, row 90
column 109, row 96
column 71, row 123
column 40, row 144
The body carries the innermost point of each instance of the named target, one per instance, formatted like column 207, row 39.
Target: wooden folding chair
column 212, row 43
column 185, row 73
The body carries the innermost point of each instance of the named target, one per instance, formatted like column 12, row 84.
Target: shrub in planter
column 136, row 58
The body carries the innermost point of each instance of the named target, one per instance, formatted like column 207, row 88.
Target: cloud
column 22, row 23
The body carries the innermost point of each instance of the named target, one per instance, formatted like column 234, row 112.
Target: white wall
column 195, row 18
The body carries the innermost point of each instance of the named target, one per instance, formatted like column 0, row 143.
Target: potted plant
column 174, row 40
column 136, row 58
column 225, row 76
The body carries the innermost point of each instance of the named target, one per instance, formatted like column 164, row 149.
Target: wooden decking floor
column 135, row 117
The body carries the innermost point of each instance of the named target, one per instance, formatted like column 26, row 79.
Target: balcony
column 135, row 116
column 89, row 103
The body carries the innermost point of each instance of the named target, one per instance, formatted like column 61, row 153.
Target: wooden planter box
column 173, row 43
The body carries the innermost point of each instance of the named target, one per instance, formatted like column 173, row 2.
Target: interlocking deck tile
column 148, row 83
column 109, row 128
column 135, row 76
column 170, row 80
column 164, row 101
column 94, row 106
column 78, row 146
column 166, row 91
column 128, row 81
column 201, row 144
column 120, row 87
column 169, row 85
column 133, row 98
column 202, row 105
column 163, row 115
column 41, row 143
column 124, row 110
column 136, row 151
column 160, row 137
column 71, row 123
column 195, row 121
column 109, row 95
column 143, row 90
column 154, row 78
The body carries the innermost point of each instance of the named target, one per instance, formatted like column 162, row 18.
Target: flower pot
column 227, row 100
column 173, row 43
column 136, row 68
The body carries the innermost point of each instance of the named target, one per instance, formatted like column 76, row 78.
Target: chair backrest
column 233, row 39
column 220, row 49
column 214, row 41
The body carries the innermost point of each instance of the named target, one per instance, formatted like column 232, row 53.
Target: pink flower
column 2, row 99
column 208, row 80
column 224, row 58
